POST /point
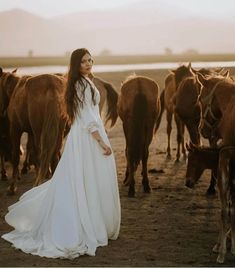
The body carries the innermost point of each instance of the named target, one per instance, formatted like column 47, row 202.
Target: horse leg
column 211, row 189
column 15, row 140
column 220, row 247
column 131, row 179
column 182, row 144
column 232, row 218
column 169, row 128
column 223, row 186
column 26, row 165
column 145, row 180
column 125, row 181
column 232, row 206
column 3, row 170
column 179, row 136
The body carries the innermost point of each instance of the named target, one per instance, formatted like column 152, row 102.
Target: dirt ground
column 171, row 226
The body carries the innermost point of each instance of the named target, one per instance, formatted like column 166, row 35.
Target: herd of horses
column 202, row 101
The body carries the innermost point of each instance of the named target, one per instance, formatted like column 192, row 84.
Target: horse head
column 182, row 72
column 210, row 111
column 8, row 82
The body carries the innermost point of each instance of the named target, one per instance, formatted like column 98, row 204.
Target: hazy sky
column 48, row 8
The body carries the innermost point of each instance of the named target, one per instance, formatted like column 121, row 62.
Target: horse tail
column 138, row 133
column 49, row 137
column 162, row 108
column 112, row 99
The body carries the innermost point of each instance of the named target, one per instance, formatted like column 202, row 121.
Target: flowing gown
column 78, row 209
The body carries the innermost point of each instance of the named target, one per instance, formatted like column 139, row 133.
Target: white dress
column 78, row 209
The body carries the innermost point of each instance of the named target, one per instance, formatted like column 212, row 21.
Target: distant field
column 7, row 62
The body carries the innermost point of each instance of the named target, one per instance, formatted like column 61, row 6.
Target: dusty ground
column 172, row 226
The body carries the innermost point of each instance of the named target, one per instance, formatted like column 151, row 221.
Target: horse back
column 134, row 87
column 17, row 108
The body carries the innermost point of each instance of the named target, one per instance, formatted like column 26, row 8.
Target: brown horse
column 187, row 108
column 217, row 100
column 138, row 108
column 34, row 105
column 172, row 82
column 186, row 102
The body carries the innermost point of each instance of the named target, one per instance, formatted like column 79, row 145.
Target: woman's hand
column 106, row 148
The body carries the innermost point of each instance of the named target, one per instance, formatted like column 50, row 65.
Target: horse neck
column 12, row 87
column 224, row 99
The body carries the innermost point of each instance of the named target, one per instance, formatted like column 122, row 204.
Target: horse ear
column 14, row 71
column 171, row 71
column 1, row 71
column 193, row 70
column 219, row 70
column 200, row 78
column 189, row 65
column 226, row 74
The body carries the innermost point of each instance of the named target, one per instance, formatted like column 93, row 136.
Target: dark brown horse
column 34, row 105
column 217, row 100
column 138, row 108
column 199, row 159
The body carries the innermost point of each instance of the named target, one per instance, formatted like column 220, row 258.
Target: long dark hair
column 73, row 101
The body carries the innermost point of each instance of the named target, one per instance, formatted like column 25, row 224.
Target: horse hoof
column 168, row 157
column 177, row 161
column 131, row 194
column 233, row 251
column 220, row 258
column 147, row 189
column 11, row 190
column 210, row 191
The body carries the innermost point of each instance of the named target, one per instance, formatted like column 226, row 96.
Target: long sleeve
column 87, row 114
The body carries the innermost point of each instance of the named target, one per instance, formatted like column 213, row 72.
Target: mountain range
column 143, row 28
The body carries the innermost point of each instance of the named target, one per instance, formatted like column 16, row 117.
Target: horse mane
column 129, row 77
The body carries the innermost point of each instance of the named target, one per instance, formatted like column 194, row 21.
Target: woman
column 79, row 208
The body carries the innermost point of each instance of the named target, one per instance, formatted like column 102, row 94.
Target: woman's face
column 86, row 65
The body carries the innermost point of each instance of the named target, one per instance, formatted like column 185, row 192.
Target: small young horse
column 200, row 159
column 138, row 108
